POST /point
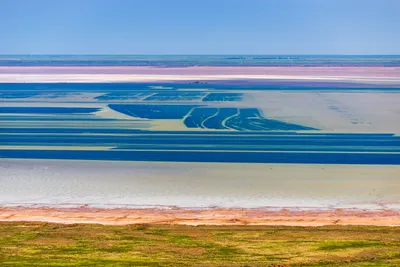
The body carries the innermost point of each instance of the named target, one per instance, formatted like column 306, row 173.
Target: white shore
column 371, row 75
column 197, row 185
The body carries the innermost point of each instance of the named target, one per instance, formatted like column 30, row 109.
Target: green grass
column 339, row 245
column 47, row 244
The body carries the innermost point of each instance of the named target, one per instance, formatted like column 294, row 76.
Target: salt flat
column 343, row 111
column 194, row 185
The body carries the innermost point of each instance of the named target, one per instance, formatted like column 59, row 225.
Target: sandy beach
column 209, row 216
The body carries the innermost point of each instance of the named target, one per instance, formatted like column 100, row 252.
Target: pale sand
column 351, row 111
column 171, row 125
column 212, row 216
column 108, row 113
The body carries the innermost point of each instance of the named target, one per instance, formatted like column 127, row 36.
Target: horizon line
column 34, row 54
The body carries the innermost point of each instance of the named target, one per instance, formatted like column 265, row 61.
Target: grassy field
column 47, row 244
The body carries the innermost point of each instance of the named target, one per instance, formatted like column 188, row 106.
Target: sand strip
column 209, row 216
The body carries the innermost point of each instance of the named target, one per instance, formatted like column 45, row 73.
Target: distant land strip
column 371, row 75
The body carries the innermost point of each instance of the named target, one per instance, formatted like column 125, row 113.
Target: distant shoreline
column 203, row 60
column 98, row 74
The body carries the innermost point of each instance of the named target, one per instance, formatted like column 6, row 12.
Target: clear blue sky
column 199, row 26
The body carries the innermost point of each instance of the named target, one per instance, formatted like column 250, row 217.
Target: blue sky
column 199, row 26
